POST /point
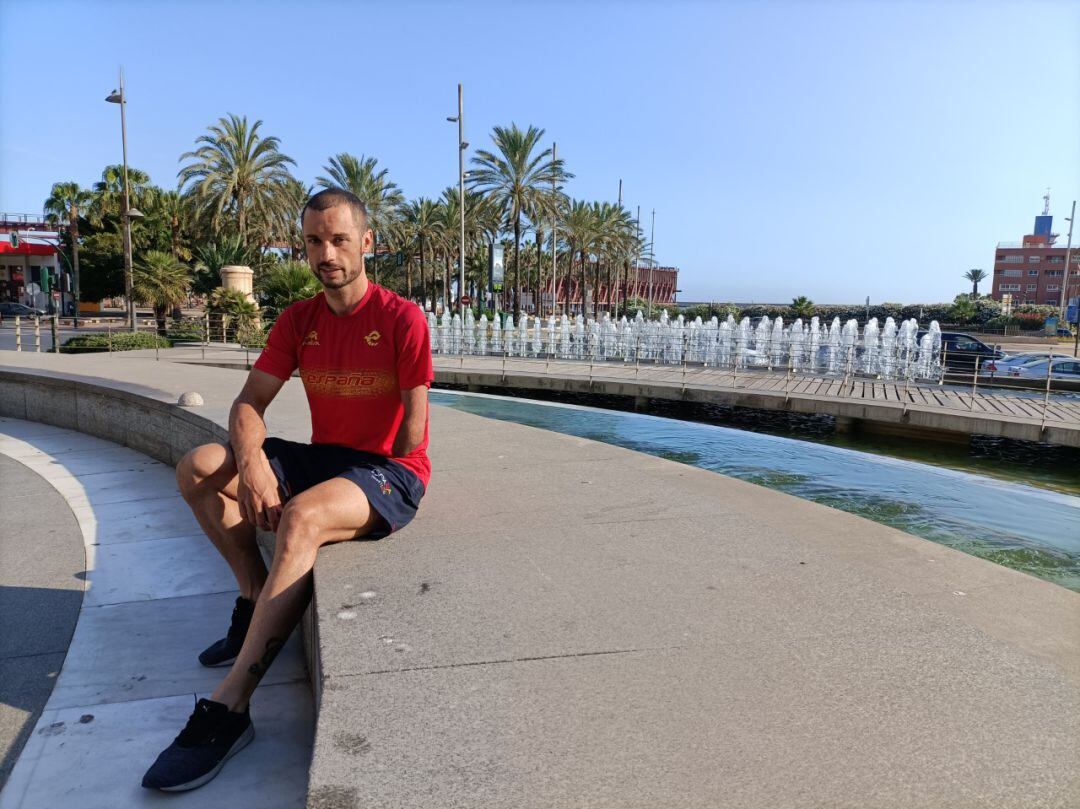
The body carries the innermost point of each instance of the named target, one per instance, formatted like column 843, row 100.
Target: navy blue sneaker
column 213, row 735
column 224, row 651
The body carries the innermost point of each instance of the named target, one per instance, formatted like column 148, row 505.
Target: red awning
column 27, row 249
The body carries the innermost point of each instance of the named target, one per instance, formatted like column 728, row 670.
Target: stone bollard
column 190, row 399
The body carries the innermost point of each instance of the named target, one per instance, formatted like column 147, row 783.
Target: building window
column 1032, row 287
column 1033, row 272
column 1051, row 301
column 1034, row 259
column 1009, row 288
column 1012, row 260
column 1056, row 259
column 1053, row 273
column 1013, row 273
column 1053, row 287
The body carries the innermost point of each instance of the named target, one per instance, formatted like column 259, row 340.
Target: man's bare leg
column 333, row 511
column 207, row 479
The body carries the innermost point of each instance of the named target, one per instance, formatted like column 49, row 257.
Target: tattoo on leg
column 259, row 667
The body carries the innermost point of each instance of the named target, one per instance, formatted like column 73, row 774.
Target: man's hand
column 258, row 494
column 257, row 488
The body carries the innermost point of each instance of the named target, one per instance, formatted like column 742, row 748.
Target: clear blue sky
column 832, row 149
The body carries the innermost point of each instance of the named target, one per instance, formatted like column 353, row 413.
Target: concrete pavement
column 567, row 623
column 157, row 593
column 42, row 570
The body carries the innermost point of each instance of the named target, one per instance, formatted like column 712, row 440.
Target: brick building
column 1033, row 270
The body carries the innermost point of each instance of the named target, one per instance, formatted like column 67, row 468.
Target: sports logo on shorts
column 373, row 338
column 380, row 478
column 312, row 338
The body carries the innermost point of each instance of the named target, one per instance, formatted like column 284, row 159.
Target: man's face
column 335, row 246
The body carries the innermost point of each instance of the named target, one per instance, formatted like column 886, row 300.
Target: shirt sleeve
column 279, row 358
column 414, row 350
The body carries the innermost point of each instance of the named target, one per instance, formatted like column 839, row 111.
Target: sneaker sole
column 222, row 664
column 244, row 740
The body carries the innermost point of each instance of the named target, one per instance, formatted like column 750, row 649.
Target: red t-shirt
column 354, row 368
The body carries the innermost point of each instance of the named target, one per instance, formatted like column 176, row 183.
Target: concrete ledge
column 567, row 623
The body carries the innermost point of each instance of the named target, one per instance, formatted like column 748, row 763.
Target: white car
column 1004, row 366
column 1062, row 368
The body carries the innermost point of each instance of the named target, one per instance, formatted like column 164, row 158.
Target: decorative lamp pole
column 129, row 213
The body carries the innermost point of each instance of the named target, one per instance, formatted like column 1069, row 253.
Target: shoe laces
column 241, row 619
column 202, row 720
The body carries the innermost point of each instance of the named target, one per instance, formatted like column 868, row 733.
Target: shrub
column 117, row 341
column 187, row 330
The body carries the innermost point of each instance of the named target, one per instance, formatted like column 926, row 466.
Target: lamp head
column 115, row 97
column 135, row 213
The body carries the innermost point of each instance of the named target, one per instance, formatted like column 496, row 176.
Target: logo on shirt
column 380, row 478
column 312, row 338
column 373, row 338
column 348, row 383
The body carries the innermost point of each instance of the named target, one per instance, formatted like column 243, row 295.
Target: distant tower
column 1044, row 224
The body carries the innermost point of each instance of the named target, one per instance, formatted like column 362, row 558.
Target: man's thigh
column 337, row 508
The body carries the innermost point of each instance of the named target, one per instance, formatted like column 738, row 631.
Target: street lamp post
column 1068, row 257
column 462, row 146
column 118, row 97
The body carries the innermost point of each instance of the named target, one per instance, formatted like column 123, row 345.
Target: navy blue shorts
column 391, row 489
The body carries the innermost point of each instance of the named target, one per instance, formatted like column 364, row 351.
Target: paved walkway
column 42, row 570
column 571, row 624
column 157, row 593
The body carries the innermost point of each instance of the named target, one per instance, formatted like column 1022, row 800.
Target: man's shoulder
column 302, row 308
column 397, row 307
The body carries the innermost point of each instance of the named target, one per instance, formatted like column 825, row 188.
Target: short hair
column 331, row 198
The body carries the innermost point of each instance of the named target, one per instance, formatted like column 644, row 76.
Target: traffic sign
column 14, row 237
column 465, row 300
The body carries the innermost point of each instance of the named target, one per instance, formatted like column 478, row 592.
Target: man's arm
column 411, row 432
column 258, row 496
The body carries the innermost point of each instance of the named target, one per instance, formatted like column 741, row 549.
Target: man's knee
column 211, row 463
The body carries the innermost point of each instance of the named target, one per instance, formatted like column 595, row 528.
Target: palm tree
column 802, row 306
column 380, row 196
column 287, row 283
column 514, row 177
column 161, row 281
column 237, row 176
column 108, row 202
column 172, row 210
column 64, row 202
column 422, row 217
column 579, row 228
column 975, row 276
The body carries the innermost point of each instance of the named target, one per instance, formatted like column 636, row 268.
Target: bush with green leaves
column 187, row 330
column 116, row 341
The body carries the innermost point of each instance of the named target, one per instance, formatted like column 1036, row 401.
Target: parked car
column 960, row 352
column 1063, row 332
column 1062, row 368
column 1002, row 366
column 13, row 309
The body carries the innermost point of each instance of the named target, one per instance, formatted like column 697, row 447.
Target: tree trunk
column 159, row 316
column 423, row 288
column 539, row 273
column 446, row 283
column 517, row 268
column 584, row 280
